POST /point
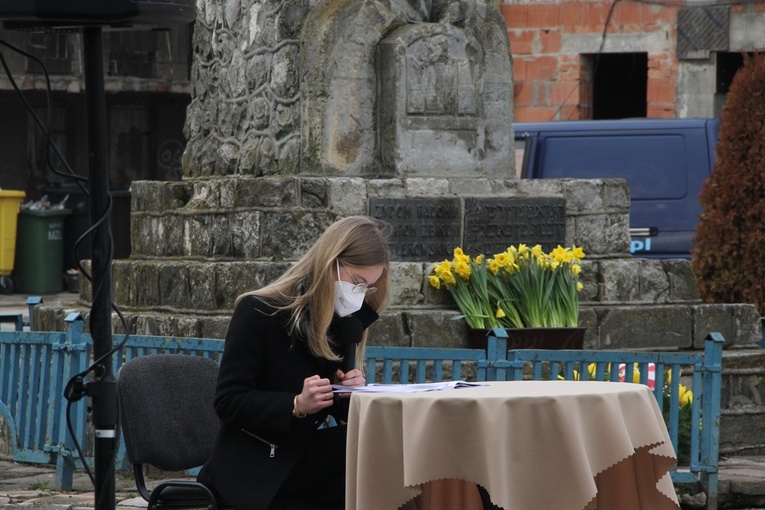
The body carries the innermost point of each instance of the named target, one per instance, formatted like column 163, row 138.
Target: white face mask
column 348, row 299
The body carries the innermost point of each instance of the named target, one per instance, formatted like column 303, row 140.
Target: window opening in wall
column 619, row 85
column 727, row 65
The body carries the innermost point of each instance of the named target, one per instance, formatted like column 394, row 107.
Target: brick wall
column 548, row 41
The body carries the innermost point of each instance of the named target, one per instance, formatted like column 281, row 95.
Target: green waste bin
column 40, row 251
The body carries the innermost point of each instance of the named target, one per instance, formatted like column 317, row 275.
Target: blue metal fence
column 36, row 366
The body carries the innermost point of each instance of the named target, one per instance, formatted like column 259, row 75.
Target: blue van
column 665, row 162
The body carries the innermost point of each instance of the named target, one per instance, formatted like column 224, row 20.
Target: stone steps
column 742, row 403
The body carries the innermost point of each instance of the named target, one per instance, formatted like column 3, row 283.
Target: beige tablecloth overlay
column 552, row 445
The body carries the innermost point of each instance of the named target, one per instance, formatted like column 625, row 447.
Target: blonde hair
column 307, row 288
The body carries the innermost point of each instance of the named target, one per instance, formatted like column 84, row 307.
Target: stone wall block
column 151, row 230
column 427, row 187
column 589, row 278
column 748, row 325
column 289, row 234
column 743, row 379
column 736, row 433
column 159, row 196
column 602, row 234
column 616, row 194
column 388, row 331
column 245, row 234
column 406, row 284
column 347, row 196
column 206, row 195
column 386, row 188
column 174, row 289
column 585, row 197
column 197, row 232
column 681, row 280
column 169, row 235
column 142, row 195
column 504, row 187
column 227, row 154
column 214, row 327
column 620, row 281
column 188, row 327
column 221, row 244
column 589, row 319
column 236, row 75
column 235, row 278
column 646, row 327
column 266, row 192
column 122, row 276
column 572, row 235
column 228, row 193
column 713, row 318
column 146, row 286
column 540, row 187
column 737, row 323
column 284, row 74
column 155, row 325
column 463, row 187
column 202, row 290
column 314, row 193
column 435, row 329
column 654, row 282
column 289, row 156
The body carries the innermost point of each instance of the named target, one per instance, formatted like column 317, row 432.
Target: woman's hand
column 351, row 378
column 316, row 395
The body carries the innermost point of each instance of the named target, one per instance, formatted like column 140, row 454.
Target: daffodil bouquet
column 519, row 288
column 466, row 280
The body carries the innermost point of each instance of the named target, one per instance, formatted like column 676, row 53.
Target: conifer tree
column 729, row 258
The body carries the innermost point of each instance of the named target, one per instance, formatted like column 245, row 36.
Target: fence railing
column 35, row 368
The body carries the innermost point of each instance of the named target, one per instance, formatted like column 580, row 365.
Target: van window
column 628, row 157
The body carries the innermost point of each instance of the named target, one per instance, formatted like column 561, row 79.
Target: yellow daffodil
column 462, row 269
column 502, row 258
column 435, row 281
column 685, row 396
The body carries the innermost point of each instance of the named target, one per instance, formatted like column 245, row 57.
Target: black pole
column 102, row 386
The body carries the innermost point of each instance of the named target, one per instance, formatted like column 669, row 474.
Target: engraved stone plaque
column 493, row 224
column 423, row 229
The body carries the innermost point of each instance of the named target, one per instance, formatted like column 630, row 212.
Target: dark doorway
column 619, row 85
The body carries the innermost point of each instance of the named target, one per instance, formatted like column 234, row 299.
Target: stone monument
column 305, row 112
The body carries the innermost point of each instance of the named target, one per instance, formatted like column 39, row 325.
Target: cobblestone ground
column 742, row 487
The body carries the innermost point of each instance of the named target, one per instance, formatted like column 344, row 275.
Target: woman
column 284, row 348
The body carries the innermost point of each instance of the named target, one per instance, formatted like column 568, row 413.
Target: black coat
column 261, row 371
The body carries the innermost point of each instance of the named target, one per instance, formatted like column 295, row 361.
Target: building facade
column 613, row 59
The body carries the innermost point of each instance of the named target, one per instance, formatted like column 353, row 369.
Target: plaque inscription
column 493, row 224
column 423, row 229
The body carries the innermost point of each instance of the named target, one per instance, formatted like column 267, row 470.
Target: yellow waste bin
column 9, row 210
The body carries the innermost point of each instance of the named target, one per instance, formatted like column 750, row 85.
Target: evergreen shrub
column 729, row 257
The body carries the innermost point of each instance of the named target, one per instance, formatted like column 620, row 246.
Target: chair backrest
column 166, row 410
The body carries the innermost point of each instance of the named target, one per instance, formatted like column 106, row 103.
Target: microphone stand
column 102, row 389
